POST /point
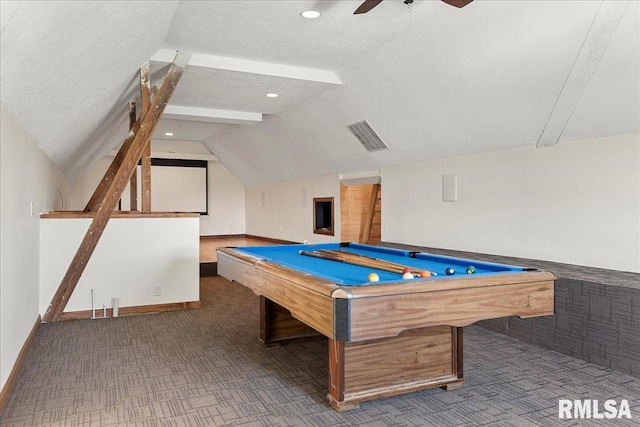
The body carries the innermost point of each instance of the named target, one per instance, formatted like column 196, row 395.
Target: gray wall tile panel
column 597, row 312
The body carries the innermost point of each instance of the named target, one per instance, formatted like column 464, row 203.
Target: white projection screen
column 176, row 186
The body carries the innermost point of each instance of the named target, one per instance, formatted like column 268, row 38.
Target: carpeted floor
column 206, row 367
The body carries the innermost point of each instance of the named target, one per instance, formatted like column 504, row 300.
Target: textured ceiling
column 433, row 80
column 273, row 31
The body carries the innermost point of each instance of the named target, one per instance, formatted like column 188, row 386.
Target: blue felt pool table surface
column 354, row 275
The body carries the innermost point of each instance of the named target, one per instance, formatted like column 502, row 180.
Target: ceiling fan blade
column 367, row 6
column 458, row 3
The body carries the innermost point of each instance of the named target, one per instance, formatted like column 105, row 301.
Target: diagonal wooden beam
column 145, row 127
column 145, row 175
column 94, row 202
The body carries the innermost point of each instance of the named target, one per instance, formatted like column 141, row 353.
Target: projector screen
column 176, row 186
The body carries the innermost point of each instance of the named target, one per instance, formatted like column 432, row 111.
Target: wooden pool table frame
column 384, row 339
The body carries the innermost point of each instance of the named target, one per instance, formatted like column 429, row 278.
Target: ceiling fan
column 370, row 4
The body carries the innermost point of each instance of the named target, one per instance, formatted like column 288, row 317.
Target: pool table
column 387, row 337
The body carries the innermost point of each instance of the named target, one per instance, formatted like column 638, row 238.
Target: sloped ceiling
column 433, row 80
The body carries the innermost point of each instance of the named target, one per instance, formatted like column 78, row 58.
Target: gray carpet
column 206, row 367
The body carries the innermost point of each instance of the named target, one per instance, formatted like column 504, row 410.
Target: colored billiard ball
column 471, row 269
column 373, row 277
column 449, row 271
column 407, row 275
column 425, row 273
column 406, row 270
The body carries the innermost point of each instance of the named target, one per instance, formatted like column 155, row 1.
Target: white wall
column 26, row 176
column 226, row 203
column 287, row 212
column 576, row 202
column 226, row 198
column 83, row 187
column 133, row 255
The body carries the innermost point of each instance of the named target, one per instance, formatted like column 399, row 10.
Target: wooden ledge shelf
column 119, row 214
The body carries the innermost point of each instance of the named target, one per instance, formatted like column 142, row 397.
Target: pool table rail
column 239, row 270
column 380, row 316
column 310, row 302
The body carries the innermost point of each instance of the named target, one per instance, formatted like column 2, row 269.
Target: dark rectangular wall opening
column 323, row 215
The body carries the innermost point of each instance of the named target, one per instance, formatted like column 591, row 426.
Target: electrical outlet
column 157, row 290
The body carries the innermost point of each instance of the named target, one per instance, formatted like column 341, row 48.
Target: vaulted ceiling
column 433, row 80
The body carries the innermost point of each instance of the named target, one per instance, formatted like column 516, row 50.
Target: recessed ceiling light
column 310, row 14
column 272, row 95
column 168, row 133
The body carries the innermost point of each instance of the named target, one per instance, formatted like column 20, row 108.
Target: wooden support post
column 133, row 186
column 366, row 234
column 145, row 175
column 99, row 193
column 114, row 187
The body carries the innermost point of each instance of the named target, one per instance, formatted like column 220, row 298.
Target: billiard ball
column 449, row 271
column 373, row 277
column 406, row 270
column 471, row 269
column 425, row 273
column 407, row 275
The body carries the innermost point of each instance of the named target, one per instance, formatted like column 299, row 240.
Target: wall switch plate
column 157, row 290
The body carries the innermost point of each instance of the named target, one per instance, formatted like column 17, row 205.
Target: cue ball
column 373, row 277
column 449, row 271
column 471, row 269
column 407, row 275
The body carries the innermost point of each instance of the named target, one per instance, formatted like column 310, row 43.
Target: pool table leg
column 415, row 360
column 458, row 339
column 336, row 377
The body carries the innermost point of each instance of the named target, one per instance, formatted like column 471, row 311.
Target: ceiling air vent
column 367, row 136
